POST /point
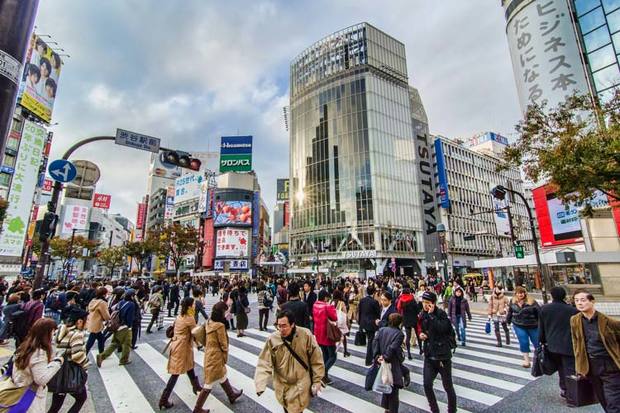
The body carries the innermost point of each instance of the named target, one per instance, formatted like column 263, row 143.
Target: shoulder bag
column 71, row 378
column 300, row 361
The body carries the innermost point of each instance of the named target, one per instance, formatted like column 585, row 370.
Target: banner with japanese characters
column 545, row 56
column 76, row 218
column 21, row 192
column 232, row 242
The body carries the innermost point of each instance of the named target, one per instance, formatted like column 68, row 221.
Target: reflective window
column 596, row 39
column 607, row 77
column 584, row 6
column 592, row 20
column 610, row 5
column 615, row 38
column 613, row 20
column 602, row 57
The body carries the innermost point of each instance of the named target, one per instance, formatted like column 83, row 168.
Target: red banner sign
column 141, row 215
column 48, row 185
column 102, row 201
column 209, row 244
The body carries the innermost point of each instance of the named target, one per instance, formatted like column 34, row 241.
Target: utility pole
column 16, row 21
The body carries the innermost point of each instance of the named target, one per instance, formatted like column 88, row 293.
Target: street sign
column 137, row 141
column 519, row 252
column 62, row 170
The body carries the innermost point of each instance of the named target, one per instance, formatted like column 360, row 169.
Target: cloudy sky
column 189, row 71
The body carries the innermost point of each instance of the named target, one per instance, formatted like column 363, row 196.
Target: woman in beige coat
column 98, row 314
column 498, row 307
column 181, row 360
column 216, row 356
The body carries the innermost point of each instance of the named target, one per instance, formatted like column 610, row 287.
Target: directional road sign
column 137, row 140
column 62, row 170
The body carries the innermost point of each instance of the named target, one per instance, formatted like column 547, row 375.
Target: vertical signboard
column 169, row 208
column 102, row 201
column 22, row 190
column 76, row 218
column 282, row 189
column 236, row 154
column 442, row 175
column 208, row 254
column 140, row 221
column 255, row 224
column 502, row 223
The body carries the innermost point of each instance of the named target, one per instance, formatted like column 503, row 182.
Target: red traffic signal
column 181, row 159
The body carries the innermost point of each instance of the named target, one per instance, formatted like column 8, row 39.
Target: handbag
column 379, row 386
column 579, row 391
column 487, row 327
column 199, row 333
column 360, row 338
column 333, row 332
column 542, row 363
column 170, row 331
column 301, row 362
column 71, row 378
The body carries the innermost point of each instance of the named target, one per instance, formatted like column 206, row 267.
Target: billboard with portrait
column 40, row 79
column 232, row 213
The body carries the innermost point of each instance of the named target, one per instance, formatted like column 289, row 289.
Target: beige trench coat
column 216, row 352
column 291, row 382
column 181, row 358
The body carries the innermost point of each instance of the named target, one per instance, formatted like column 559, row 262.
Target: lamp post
column 500, row 192
column 441, row 231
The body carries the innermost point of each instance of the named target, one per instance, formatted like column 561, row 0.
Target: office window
column 592, row 20
column 596, row 39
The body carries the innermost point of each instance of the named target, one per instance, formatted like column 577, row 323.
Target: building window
column 610, row 5
column 596, row 39
column 592, row 20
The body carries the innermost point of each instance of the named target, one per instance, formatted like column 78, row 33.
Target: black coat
column 441, row 337
column 369, row 311
column 174, row 293
column 310, row 299
column 384, row 320
column 526, row 316
column 554, row 327
column 300, row 310
column 389, row 343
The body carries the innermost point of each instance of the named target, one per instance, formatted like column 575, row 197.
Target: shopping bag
column 360, row 338
column 579, row 391
column 386, row 374
column 487, row 327
column 371, row 375
column 378, row 386
column 71, row 378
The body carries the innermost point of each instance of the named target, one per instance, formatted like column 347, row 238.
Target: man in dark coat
column 369, row 315
column 297, row 307
column 387, row 308
column 554, row 332
column 309, row 299
column 174, row 299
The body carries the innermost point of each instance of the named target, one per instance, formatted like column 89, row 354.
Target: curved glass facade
column 352, row 158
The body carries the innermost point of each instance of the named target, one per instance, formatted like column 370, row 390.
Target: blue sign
column 236, row 145
column 62, row 170
column 443, row 176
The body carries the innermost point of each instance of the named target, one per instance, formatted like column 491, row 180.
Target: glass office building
column 355, row 203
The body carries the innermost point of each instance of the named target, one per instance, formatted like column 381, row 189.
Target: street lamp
column 500, row 192
column 441, row 231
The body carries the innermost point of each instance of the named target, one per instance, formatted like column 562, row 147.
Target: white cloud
column 102, row 98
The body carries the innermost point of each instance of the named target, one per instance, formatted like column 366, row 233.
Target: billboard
column 141, row 218
column 76, row 218
column 208, row 253
column 169, row 209
column 22, row 189
column 444, row 197
column 546, row 60
column 236, row 154
column 40, row 80
column 232, row 242
column 163, row 169
column 102, row 201
column 232, row 213
column 187, row 187
column 283, row 190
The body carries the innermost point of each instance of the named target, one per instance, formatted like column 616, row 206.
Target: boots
column 200, row 402
column 196, row 387
column 498, row 336
column 163, row 401
column 232, row 393
column 505, row 327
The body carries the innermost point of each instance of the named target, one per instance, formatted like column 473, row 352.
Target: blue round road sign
column 62, row 170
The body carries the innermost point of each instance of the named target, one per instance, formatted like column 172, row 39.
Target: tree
column 65, row 248
column 176, row 241
column 140, row 251
column 111, row 258
column 574, row 147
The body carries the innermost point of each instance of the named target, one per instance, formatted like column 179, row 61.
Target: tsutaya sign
column 351, row 255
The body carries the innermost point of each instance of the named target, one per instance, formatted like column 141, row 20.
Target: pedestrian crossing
column 483, row 375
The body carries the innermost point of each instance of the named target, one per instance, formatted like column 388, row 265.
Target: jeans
column 460, row 328
column 526, row 335
column 329, row 357
column 59, row 398
column 444, row 368
column 263, row 318
column 122, row 339
column 100, row 342
column 605, row 378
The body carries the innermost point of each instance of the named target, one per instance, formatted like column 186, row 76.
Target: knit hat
column 429, row 296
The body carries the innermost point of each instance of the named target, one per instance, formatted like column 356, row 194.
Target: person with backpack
column 98, row 314
column 55, row 302
column 439, row 340
column 156, row 302
column 265, row 302
column 121, row 322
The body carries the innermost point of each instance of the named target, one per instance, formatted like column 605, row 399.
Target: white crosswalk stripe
column 483, row 375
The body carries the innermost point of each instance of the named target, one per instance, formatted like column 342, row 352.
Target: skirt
column 242, row 321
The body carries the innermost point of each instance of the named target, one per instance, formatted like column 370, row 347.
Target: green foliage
column 63, row 248
column 111, row 258
column 140, row 251
column 574, row 147
column 176, row 241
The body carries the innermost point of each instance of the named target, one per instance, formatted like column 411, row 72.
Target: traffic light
column 48, row 226
column 181, row 159
column 519, row 252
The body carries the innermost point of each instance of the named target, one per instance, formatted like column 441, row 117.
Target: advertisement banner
column 22, row 190
column 48, row 185
column 208, row 254
column 164, row 169
column 236, row 154
column 187, row 187
column 203, row 201
column 169, row 209
column 40, row 79
column 232, row 213
column 283, row 190
column 76, row 217
column 232, row 242
column 444, row 197
column 141, row 217
column 502, row 223
column 102, row 201
column 287, row 214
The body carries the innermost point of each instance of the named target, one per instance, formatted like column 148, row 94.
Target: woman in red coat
column 323, row 313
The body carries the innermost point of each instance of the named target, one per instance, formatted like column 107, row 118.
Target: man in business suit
column 387, row 308
column 369, row 314
column 554, row 332
column 309, row 299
